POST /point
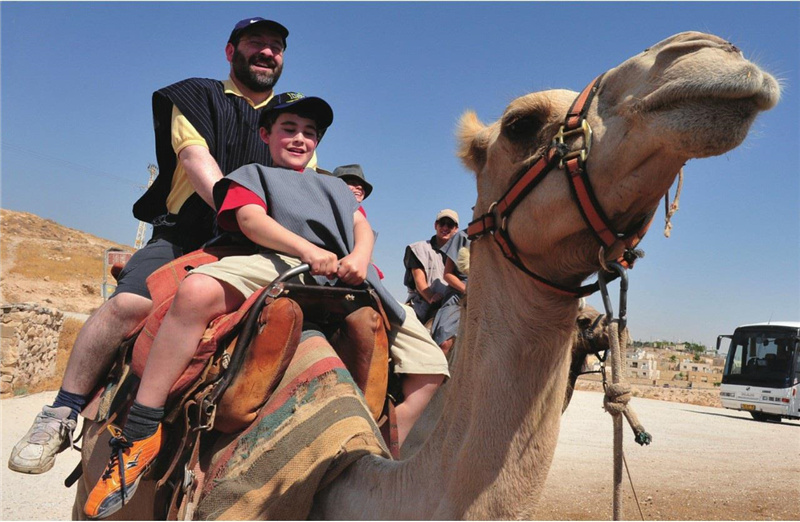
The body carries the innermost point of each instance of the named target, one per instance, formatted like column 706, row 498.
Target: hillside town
column 667, row 365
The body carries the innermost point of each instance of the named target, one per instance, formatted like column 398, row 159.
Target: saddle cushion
column 163, row 285
column 220, row 330
column 279, row 328
column 363, row 346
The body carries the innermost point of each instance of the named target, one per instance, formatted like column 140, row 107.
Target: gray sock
column 142, row 422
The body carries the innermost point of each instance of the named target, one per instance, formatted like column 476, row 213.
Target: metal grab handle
column 623, row 294
column 292, row 272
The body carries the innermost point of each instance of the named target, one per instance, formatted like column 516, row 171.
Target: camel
column 589, row 336
column 692, row 95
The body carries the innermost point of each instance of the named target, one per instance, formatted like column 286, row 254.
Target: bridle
column 558, row 154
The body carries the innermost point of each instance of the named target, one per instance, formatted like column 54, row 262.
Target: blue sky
column 77, row 80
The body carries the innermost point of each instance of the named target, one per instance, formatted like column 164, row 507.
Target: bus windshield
column 760, row 358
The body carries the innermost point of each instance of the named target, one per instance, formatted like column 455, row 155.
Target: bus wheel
column 765, row 417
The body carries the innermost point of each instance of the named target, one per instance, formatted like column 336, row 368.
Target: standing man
column 424, row 262
column 204, row 129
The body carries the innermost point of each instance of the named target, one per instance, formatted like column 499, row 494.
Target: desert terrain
column 49, row 264
column 705, row 463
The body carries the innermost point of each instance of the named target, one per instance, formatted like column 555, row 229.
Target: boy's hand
column 321, row 261
column 353, row 269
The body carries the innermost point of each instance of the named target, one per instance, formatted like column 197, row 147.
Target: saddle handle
column 288, row 274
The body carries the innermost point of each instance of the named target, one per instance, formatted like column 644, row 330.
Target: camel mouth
column 748, row 91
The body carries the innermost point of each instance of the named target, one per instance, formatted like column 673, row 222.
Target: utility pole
column 139, row 243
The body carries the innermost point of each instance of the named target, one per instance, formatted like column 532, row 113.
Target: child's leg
column 418, row 390
column 199, row 300
column 423, row 366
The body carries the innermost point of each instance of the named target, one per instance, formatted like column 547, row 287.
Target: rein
column 573, row 162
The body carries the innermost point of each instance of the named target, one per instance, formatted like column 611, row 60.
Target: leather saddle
column 242, row 357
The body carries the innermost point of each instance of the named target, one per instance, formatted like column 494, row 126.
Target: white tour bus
column 762, row 371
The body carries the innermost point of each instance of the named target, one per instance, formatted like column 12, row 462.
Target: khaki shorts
column 411, row 346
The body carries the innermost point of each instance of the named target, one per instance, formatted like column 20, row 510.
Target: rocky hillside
column 49, row 264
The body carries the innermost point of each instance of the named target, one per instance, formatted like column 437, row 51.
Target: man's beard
column 256, row 82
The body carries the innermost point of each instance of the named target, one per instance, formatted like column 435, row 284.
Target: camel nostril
column 732, row 48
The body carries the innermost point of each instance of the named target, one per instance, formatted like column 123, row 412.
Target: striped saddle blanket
column 314, row 425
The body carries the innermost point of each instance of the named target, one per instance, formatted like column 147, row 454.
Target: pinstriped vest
column 315, row 207
column 230, row 127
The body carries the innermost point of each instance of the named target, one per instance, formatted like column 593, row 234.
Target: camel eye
column 522, row 127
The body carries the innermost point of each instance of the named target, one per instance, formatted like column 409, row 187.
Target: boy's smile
column 357, row 190
column 291, row 140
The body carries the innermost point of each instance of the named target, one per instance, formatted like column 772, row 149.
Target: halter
column 573, row 162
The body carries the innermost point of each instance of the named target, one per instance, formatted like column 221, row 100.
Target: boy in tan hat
column 424, row 262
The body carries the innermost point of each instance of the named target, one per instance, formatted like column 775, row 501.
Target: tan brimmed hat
column 447, row 213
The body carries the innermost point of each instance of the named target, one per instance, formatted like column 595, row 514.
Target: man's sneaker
column 128, row 463
column 50, row 434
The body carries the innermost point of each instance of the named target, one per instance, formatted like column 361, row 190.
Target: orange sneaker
column 127, row 465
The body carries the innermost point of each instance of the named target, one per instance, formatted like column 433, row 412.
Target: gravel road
column 704, row 464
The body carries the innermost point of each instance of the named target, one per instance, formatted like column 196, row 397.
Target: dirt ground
column 704, row 463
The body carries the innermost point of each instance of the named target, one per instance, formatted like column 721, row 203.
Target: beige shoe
column 50, row 434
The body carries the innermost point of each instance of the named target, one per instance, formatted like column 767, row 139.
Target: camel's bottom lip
column 746, row 85
column 708, row 112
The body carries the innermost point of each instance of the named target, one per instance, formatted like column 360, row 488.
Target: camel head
column 692, row 95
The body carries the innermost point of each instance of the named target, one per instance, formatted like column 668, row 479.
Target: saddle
column 240, row 360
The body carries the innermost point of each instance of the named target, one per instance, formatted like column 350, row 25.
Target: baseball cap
column 447, row 213
column 319, row 108
column 354, row 171
column 247, row 23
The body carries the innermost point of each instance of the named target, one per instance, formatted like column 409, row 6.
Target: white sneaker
column 50, row 434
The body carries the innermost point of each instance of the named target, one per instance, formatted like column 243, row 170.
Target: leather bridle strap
column 495, row 220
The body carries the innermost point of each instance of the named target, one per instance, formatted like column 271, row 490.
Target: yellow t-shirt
column 183, row 135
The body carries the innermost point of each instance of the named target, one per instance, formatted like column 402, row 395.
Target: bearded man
column 204, row 129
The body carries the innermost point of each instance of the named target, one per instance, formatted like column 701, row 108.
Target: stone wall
column 28, row 346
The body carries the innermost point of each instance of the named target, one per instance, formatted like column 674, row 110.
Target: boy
column 296, row 216
column 353, row 175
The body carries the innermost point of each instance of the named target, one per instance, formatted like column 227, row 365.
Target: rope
column 669, row 210
column 615, row 402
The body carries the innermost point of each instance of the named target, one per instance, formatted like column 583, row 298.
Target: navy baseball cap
column 257, row 21
column 319, row 108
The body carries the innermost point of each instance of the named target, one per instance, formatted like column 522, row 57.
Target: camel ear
column 473, row 139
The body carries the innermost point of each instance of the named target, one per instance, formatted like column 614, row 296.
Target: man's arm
column 263, row 230
column 202, row 171
column 423, row 288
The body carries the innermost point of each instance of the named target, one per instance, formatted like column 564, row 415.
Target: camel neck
column 489, row 431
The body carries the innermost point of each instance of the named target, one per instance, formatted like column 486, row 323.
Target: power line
column 77, row 166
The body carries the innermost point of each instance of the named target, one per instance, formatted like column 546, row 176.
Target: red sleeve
column 236, row 197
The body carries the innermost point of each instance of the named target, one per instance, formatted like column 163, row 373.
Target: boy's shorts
column 411, row 346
